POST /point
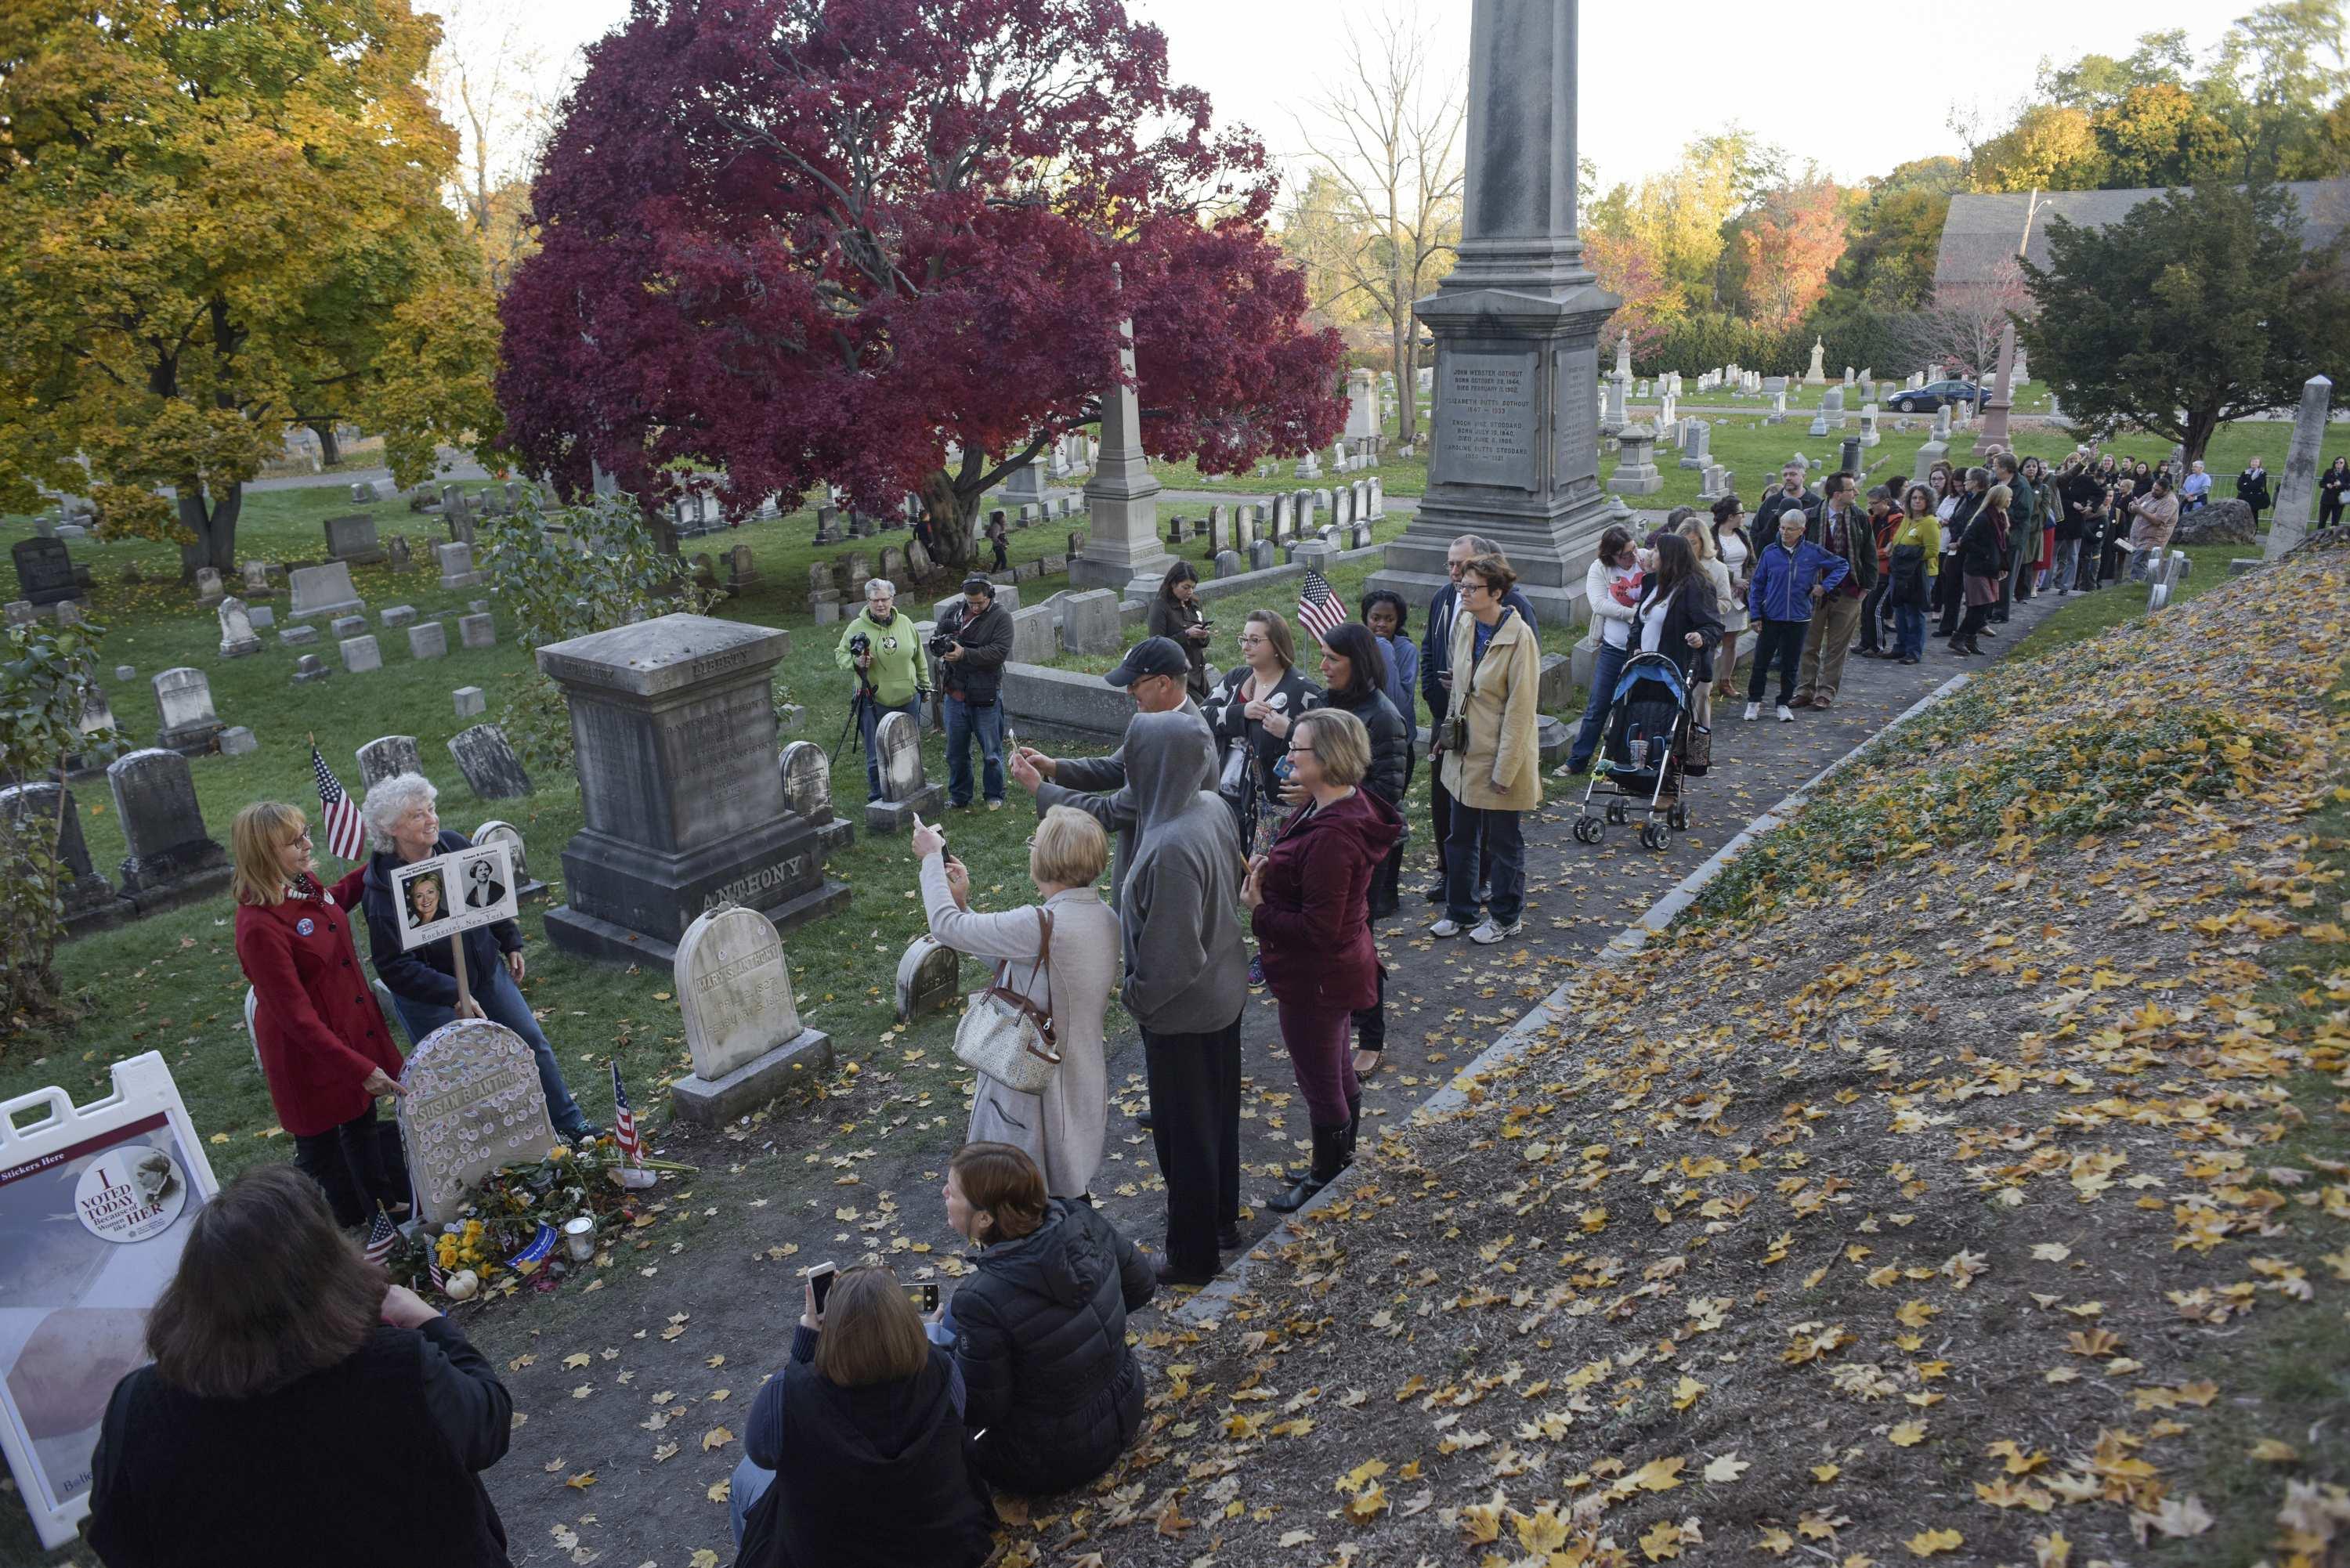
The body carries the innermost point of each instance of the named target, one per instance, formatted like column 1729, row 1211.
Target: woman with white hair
column 403, row 827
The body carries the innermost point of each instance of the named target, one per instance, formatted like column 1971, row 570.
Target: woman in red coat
column 326, row 1050
column 1309, row 901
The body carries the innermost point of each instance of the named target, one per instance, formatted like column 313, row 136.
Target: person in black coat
column 1680, row 598
column 1054, row 1392
column 403, row 827
column 972, row 672
column 2330, row 493
column 855, row 1456
column 2252, row 489
column 279, row 1351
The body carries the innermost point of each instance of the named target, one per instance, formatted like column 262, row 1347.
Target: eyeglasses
column 1473, row 586
column 1254, row 639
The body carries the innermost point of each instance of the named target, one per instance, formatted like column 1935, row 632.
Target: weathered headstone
column 401, row 557
column 45, row 571
column 397, row 617
column 491, row 768
column 208, row 587
column 1090, row 622
column 186, row 697
column 309, row 668
column 477, row 630
column 2297, row 490
column 385, row 756
column 352, row 540
column 262, row 616
column 496, row 831
column 1229, row 564
column 360, row 654
column 469, row 701
column 456, row 565
column 237, row 740
column 806, row 775
column 171, row 859
column 428, row 639
column 236, row 638
column 473, row 1104
column 256, row 580
column 322, row 591
column 673, row 728
column 89, row 898
column 297, row 636
column 1262, row 556
column 929, row 978
column 742, row 1026
column 1697, row 443
column 905, row 794
column 344, row 625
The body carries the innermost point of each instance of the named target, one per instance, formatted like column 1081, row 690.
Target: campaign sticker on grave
column 454, row 892
column 96, row 1202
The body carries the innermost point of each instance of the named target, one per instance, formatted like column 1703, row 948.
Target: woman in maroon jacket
column 1310, row 903
column 326, row 1050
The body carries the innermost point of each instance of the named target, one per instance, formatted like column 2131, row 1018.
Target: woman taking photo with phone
column 867, row 1414
column 1051, row 1393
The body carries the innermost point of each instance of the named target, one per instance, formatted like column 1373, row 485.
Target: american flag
column 1318, row 609
column 624, row 1120
column 346, row 834
column 381, row 1237
column 432, row 1269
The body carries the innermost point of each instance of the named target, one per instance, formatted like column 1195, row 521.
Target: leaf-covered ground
column 1966, row 1180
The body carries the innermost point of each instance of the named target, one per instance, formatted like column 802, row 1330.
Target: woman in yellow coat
column 1490, row 753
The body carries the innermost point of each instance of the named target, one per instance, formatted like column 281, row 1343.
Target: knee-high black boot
column 1330, row 1159
column 1354, row 1127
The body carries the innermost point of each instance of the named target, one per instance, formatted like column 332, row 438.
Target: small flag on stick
column 345, row 835
column 1318, row 609
column 381, row 1237
column 624, row 1120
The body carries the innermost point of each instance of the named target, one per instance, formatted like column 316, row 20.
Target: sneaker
column 1488, row 933
column 995, row 805
column 1447, row 927
column 1753, row 712
column 1786, row 715
column 1256, row 969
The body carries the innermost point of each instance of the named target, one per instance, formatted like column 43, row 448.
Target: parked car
column 1925, row 400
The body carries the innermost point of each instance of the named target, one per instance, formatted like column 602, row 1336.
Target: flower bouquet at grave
column 501, row 1234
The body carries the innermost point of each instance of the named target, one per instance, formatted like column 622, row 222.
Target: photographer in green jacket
column 880, row 649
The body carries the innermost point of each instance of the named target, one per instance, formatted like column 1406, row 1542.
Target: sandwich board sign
column 95, row 1205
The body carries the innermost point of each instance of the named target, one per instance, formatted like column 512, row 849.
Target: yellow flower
column 558, row 1152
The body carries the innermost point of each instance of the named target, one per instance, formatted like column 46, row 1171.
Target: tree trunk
column 2201, row 425
column 955, row 519
column 1407, row 378
column 330, row 450
column 215, row 527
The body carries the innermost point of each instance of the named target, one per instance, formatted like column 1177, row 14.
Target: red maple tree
column 795, row 240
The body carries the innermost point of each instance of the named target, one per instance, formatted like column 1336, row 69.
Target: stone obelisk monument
column 2000, row 394
column 2298, row 489
column 1122, row 546
column 1515, row 453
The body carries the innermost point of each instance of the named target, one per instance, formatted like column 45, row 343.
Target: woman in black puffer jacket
column 1052, row 1395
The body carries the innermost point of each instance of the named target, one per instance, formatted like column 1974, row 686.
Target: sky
column 1645, row 91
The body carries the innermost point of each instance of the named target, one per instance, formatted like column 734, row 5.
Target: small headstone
column 398, row 553
column 428, row 639
column 929, row 978
column 456, row 565
column 742, row 572
column 347, row 625
column 1229, row 564
column 126, row 672
column 498, row 832
column 469, row 701
column 186, row 697
column 297, row 636
column 45, row 571
column 208, row 587
column 898, row 743
column 491, row 768
column 1090, row 622
column 397, row 617
column 807, row 781
column 172, row 857
column 237, row 740
column 309, row 667
column 477, row 630
column 360, row 654
column 1261, row 556
column 256, row 579
column 473, row 1104
column 385, row 756
column 89, row 897
column 743, row 1029
column 322, row 591
column 262, row 616
column 236, row 638
column 352, row 539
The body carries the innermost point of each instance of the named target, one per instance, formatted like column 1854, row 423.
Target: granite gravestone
column 322, row 591
column 929, row 978
column 89, row 898
column 352, row 540
column 172, row 859
column 256, row 580
column 673, row 736
column 309, row 668
column 189, row 725
column 428, row 639
column 807, row 774
column 386, row 755
column 361, row 654
column 236, row 638
column 488, row 762
column 498, row 831
column 898, row 741
column 473, row 1104
column 45, row 571
column 742, row 1027
column 456, row 561
column 1090, row 622
column 2297, row 490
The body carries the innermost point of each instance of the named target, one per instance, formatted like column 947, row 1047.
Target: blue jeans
column 751, row 1484
column 963, row 722
column 1501, row 841
column 502, row 1003
column 1909, row 631
column 1604, row 671
column 868, row 719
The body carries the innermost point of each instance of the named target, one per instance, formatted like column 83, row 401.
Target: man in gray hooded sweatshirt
column 1187, row 982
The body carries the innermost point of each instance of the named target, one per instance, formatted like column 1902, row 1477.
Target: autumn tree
column 2200, row 307
column 1390, row 143
column 1678, row 217
column 215, row 221
column 485, row 80
column 1318, row 232
column 795, row 240
column 1626, row 269
column 1788, row 246
column 1895, row 236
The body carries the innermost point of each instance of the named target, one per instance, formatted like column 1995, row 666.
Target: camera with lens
column 860, row 646
column 939, row 643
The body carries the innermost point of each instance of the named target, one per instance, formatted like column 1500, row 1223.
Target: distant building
column 1982, row 233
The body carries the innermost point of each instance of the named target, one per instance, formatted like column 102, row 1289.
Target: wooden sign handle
column 457, row 954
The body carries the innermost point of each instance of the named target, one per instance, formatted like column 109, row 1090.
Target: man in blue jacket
column 1790, row 577
column 1436, row 680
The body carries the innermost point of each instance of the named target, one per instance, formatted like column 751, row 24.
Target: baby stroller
column 1642, row 761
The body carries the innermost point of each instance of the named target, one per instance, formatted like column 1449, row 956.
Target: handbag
column 1005, row 1035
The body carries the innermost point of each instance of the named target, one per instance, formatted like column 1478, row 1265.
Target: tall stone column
column 2297, row 489
column 1515, row 441
column 2002, row 390
column 1123, row 550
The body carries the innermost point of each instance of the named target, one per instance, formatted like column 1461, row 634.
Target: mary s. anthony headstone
column 497, row 832
column 929, row 978
column 189, row 725
column 897, row 739
column 673, row 736
column 807, row 774
column 473, row 1104
column 89, row 897
column 2297, row 491
column 740, row 1024
column 172, row 859
column 386, row 755
column 488, row 762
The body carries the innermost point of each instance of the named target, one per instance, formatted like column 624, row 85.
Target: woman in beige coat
column 1061, row 1129
column 1496, row 773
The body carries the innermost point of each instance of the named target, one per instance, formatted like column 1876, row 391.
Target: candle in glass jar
column 580, row 1238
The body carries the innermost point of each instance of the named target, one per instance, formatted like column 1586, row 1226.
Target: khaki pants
column 1824, row 647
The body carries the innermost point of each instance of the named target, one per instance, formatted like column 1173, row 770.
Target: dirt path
column 641, row 1380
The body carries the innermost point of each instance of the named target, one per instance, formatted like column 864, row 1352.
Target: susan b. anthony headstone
column 473, row 1104
column 496, row 831
column 742, row 1026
